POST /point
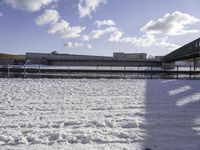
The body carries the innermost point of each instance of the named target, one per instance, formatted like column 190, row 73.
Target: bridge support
column 195, row 62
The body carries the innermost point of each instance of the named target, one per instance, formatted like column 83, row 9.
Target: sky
column 98, row 27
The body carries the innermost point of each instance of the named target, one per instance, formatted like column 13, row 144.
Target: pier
column 124, row 72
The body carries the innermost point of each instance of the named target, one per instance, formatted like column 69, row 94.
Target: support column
column 138, row 71
column 195, row 61
column 8, row 75
column 177, row 73
column 24, row 71
column 97, row 71
column 151, row 72
column 190, row 71
column 39, row 72
column 124, row 72
column 68, row 72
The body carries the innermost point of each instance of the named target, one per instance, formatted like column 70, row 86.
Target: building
column 118, row 59
column 130, row 56
column 158, row 57
column 49, row 58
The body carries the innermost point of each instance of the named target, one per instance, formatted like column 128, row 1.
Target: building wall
column 41, row 56
column 130, row 56
column 7, row 61
column 118, row 59
column 158, row 57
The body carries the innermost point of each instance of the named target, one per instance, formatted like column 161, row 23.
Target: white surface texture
column 99, row 114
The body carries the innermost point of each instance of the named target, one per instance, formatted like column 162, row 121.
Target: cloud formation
column 96, row 34
column 163, row 43
column 77, row 45
column 58, row 26
column 156, row 33
column 29, row 5
column 86, row 7
column 116, row 36
column 49, row 16
column 171, row 24
column 64, row 30
column 1, row 14
column 100, row 23
column 146, row 40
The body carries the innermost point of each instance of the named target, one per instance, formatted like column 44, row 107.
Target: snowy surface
column 99, row 114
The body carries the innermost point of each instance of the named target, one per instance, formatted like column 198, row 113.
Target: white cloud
column 116, row 36
column 111, row 29
column 143, row 41
column 77, row 45
column 29, row 5
column 64, row 30
column 88, row 46
column 164, row 44
column 48, row 17
column 96, row 34
column 1, row 14
column 86, row 7
column 156, row 33
column 85, row 38
column 167, row 45
column 58, row 26
column 171, row 24
column 100, row 23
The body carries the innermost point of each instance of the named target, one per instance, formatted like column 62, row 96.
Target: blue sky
column 97, row 27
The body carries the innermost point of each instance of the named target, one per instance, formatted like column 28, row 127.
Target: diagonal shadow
column 169, row 125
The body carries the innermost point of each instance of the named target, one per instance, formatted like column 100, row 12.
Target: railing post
column 151, row 72
column 124, row 72
column 111, row 71
column 164, row 73
column 8, row 71
column 177, row 73
column 68, row 72
column 97, row 71
column 194, row 64
column 39, row 71
column 190, row 71
column 24, row 71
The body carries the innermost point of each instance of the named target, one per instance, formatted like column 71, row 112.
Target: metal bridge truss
column 190, row 50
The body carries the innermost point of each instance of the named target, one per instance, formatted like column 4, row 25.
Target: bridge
column 190, row 50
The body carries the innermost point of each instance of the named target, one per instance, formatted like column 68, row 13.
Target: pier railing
column 38, row 71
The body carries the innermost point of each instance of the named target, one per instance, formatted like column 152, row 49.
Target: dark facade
column 86, row 60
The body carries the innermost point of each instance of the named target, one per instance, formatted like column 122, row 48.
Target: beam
column 190, row 50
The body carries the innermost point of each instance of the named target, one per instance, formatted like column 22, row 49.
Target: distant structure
column 130, row 56
column 8, row 59
column 158, row 58
column 118, row 59
column 55, row 58
column 188, row 51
